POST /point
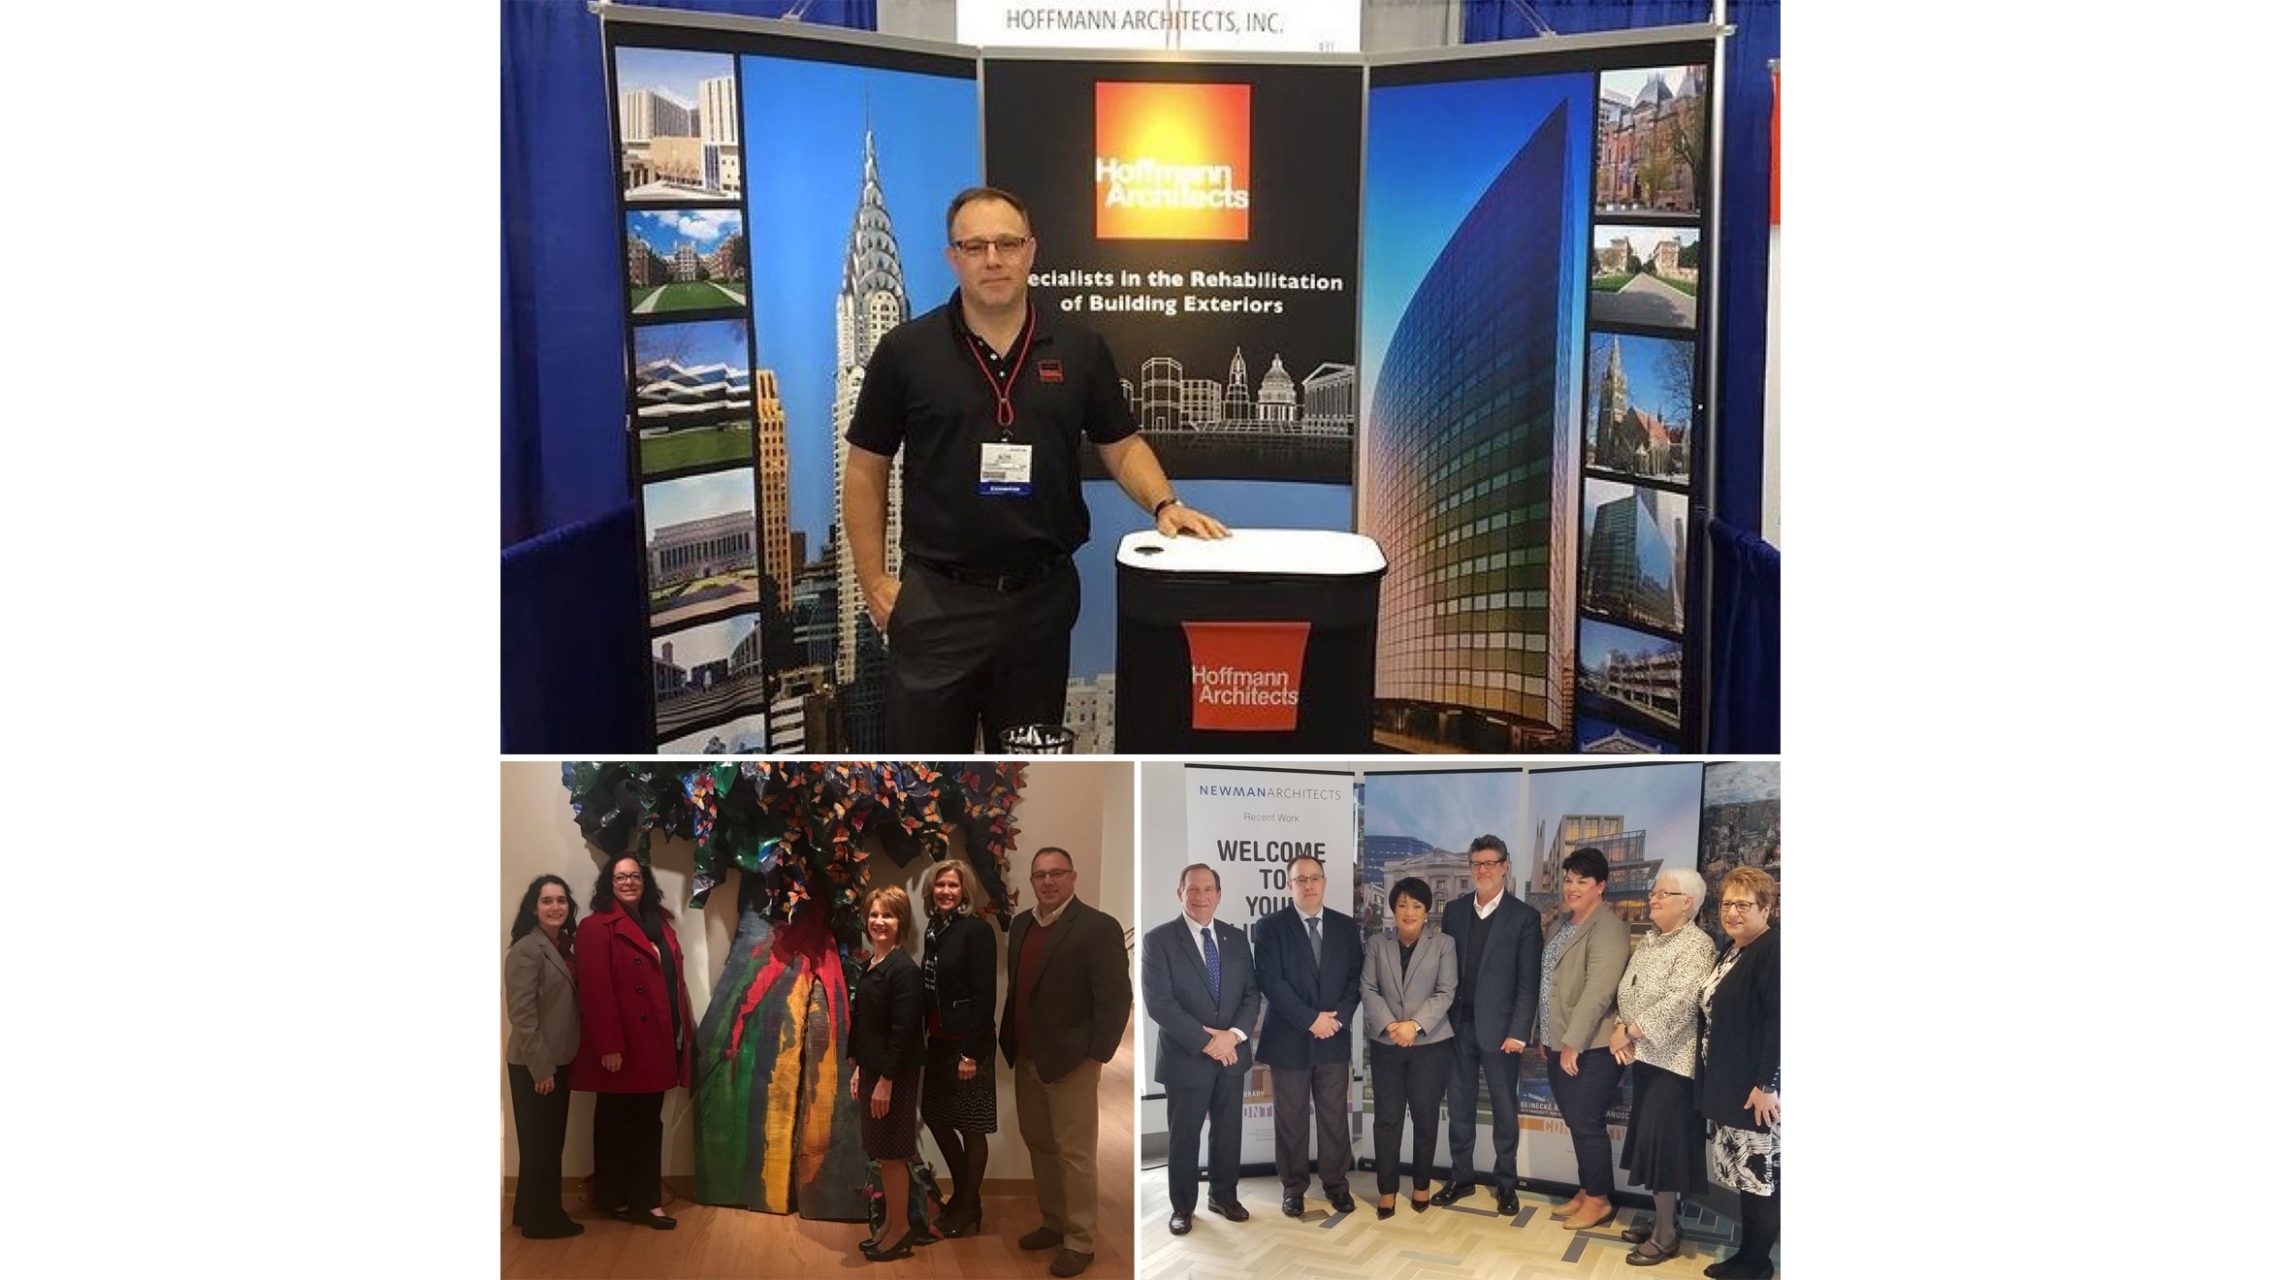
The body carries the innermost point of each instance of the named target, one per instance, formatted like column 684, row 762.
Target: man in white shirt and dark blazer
column 1500, row 953
column 1197, row 982
column 1310, row 970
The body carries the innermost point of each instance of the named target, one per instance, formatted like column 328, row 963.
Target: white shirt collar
column 1046, row 921
column 1482, row 912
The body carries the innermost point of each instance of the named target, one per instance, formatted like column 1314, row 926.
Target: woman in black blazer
column 889, row 1035
column 1738, row 1087
column 959, row 1098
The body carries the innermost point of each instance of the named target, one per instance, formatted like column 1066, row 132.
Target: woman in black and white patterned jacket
column 1739, row 1085
column 1658, row 1011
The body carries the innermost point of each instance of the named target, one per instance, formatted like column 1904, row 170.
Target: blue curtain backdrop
column 1745, row 673
column 570, row 572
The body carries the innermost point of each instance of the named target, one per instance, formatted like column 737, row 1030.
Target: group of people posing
column 601, row 1007
column 1700, row 1030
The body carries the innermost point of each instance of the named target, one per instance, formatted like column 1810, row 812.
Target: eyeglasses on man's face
column 979, row 246
column 1478, row 863
column 1052, row 873
column 1306, row 879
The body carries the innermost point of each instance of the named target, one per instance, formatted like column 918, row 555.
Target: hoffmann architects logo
column 1245, row 675
column 1172, row 161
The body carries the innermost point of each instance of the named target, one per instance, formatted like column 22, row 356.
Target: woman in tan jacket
column 1583, row 967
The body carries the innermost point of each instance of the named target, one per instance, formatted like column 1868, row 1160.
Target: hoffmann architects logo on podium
column 1172, row 161
column 1245, row 675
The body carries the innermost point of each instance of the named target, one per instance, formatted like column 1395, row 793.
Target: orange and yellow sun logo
column 1172, row 161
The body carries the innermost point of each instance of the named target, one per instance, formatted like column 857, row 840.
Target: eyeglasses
column 635, row 878
column 1053, row 874
column 1306, row 879
column 1656, row 895
column 1492, row 862
column 1007, row 246
column 1743, row 904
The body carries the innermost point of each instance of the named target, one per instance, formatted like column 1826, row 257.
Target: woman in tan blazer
column 1409, row 980
column 542, row 1038
column 1583, row 968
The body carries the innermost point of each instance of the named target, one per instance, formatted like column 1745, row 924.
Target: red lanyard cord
column 1004, row 391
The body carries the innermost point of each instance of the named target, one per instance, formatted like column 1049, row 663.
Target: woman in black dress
column 890, row 1040
column 1739, row 1085
column 959, row 1100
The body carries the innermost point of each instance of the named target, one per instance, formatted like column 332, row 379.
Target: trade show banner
column 1202, row 217
column 1644, row 817
column 1420, row 823
column 1290, row 26
column 1248, row 824
column 745, row 365
column 1530, row 395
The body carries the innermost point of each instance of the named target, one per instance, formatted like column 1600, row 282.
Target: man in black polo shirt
column 992, row 398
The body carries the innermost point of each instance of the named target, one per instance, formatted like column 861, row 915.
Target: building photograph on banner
column 1254, row 26
column 1245, row 826
column 1741, row 827
column 1642, row 819
column 1201, row 218
column 853, row 167
column 1477, row 209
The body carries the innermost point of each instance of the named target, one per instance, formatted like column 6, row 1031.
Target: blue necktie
column 1211, row 961
column 1314, row 936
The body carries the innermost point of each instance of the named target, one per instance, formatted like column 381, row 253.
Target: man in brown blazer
column 1068, row 991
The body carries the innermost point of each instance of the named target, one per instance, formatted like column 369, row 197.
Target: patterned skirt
column 893, row 1136
column 1747, row 1161
column 970, row 1105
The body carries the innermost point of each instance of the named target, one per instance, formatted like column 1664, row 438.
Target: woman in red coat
column 634, row 1037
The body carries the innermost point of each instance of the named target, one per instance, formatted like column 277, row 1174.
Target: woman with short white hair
column 1655, row 1034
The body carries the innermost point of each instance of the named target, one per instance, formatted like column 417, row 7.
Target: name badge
column 1005, row 471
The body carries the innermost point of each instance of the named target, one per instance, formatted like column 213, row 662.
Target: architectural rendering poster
column 1644, row 817
column 1201, row 217
column 1248, row 824
column 1741, row 827
column 1419, row 824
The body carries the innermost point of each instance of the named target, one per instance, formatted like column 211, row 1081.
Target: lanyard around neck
column 1003, row 391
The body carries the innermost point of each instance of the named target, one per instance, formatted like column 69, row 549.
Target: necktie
column 1314, row 936
column 1211, row 961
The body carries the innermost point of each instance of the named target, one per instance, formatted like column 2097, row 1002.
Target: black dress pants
column 540, row 1121
column 1323, row 1091
column 1409, row 1081
column 629, row 1141
column 1583, row 1099
column 1221, row 1102
column 1502, row 1071
column 958, row 653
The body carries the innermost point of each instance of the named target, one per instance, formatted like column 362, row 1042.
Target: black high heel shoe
column 899, row 1249
column 1384, row 1211
column 1418, row 1206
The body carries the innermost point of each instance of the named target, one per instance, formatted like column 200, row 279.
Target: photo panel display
column 743, row 736
column 702, row 546
column 1476, row 232
column 1741, row 827
column 1598, row 737
column 680, row 260
column 856, row 160
column 1645, row 276
column 1644, row 818
column 1633, row 564
column 705, row 673
column 1629, row 676
column 1639, row 408
column 677, row 128
column 692, row 396
column 1653, row 140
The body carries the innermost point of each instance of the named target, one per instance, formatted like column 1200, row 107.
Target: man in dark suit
column 1068, row 991
column 1310, row 970
column 1195, row 975
column 1500, row 956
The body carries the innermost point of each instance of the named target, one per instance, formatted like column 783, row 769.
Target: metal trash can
column 1038, row 740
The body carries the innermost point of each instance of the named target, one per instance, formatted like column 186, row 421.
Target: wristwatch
column 1157, row 512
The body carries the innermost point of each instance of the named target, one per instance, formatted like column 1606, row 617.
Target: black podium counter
column 1265, row 640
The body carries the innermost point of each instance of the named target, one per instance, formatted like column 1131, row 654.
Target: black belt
column 995, row 579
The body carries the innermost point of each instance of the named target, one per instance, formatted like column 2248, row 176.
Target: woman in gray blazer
column 542, row 1038
column 1409, row 980
column 1583, row 966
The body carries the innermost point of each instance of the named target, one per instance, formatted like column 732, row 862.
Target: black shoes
column 642, row 1217
column 1041, row 1238
column 1739, row 1268
column 1384, row 1211
column 1232, row 1210
column 1070, row 1262
column 1182, row 1223
column 1294, row 1206
column 1418, row 1205
column 960, row 1220
column 1639, row 1231
column 1452, row 1192
column 899, row 1249
column 1650, row 1253
column 554, row 1230
column 1343, row 1202
column 1508, row 1203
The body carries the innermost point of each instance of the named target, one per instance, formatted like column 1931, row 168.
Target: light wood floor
column 1465, row 1241
column 729, row 1242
